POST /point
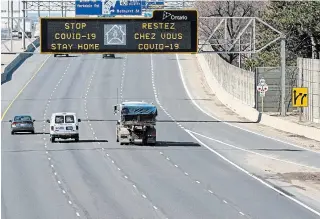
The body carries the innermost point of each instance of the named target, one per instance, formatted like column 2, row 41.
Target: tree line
column 299, row 21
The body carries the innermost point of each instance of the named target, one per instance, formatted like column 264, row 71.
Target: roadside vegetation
column 299, row 21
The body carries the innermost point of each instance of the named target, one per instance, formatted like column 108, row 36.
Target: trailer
column 137, row 123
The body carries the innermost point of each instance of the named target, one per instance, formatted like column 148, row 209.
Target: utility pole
column 283, row 75
column 38, row 8
column 11, row 43
column 19, row 9
column 24, row 25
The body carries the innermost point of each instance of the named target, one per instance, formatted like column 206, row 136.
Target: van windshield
column 59, row 119
column 69, row 119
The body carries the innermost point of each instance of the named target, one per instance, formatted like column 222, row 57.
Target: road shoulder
column 20, row 78
column 301, row 182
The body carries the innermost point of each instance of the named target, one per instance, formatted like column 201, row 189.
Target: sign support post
column 262, row 88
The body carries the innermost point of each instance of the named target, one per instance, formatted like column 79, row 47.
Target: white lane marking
column 210, row 191
column 249, row 151
column 70, row 202
column 253, row 176
column 118, row 167
column 186, row 173
column 241, row 213
column 232, row 163
column 144, row 196
column 232, row 125
column 44, row 126
column 197, row 181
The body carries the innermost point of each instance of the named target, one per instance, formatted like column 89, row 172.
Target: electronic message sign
column 167, row 31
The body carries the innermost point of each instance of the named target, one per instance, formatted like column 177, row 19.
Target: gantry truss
column 240, row 35
column 46, row 5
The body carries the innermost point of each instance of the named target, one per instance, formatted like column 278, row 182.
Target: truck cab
column 137, row 123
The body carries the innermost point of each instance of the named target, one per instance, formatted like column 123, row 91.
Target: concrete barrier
column 19, row 59
column 246, row 110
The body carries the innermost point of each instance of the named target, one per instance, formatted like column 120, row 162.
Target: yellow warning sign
column 300, row 97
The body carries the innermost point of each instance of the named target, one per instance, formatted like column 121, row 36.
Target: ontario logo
column 166, row 15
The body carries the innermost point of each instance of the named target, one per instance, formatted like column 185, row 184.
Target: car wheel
column 67, row 55
column 32, row 132
column 12, row 132
column 76, row 139
column 52, row 139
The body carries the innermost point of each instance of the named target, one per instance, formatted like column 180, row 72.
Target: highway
column 98, row 178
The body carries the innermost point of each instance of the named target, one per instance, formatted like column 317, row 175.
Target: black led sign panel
column 168, row 31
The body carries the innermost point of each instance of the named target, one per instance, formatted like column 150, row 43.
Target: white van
column 64, row 125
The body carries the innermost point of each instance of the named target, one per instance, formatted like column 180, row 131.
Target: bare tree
column 219, row 41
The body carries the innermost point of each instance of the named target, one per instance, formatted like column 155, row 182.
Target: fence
column 272, row 99
column 309, row 76
column 236, row 81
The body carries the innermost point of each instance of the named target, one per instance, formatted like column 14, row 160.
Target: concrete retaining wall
column 239, row 83
column 8, row 71
column 309, row 76
column 243, row 105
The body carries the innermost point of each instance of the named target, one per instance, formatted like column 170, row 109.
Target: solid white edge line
column 253, row 176
column 230, row 162
column 252, row 152
column 243, row 129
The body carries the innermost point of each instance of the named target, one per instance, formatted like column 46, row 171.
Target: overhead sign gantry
column 167, row 31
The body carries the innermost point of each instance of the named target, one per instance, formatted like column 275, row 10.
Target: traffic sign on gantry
column 167, row 31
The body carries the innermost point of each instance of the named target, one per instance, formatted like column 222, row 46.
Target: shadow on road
column 176, row 144
column 28, row 133
column 277, row 149
column 80, row 141
column 66, row 56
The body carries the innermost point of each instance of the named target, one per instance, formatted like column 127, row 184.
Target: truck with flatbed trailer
column 137, row 123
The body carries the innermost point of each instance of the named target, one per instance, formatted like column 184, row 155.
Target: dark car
column 108, row 55
column 67, row 55
column 22, row 123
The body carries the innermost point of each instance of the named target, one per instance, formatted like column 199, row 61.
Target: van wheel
column 77, row 139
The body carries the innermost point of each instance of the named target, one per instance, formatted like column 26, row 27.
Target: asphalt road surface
column 98, row 178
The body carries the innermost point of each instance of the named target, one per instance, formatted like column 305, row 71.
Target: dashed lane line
column 107, row 155
column 49, row 157
column 226, row 159
column 232, row 205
